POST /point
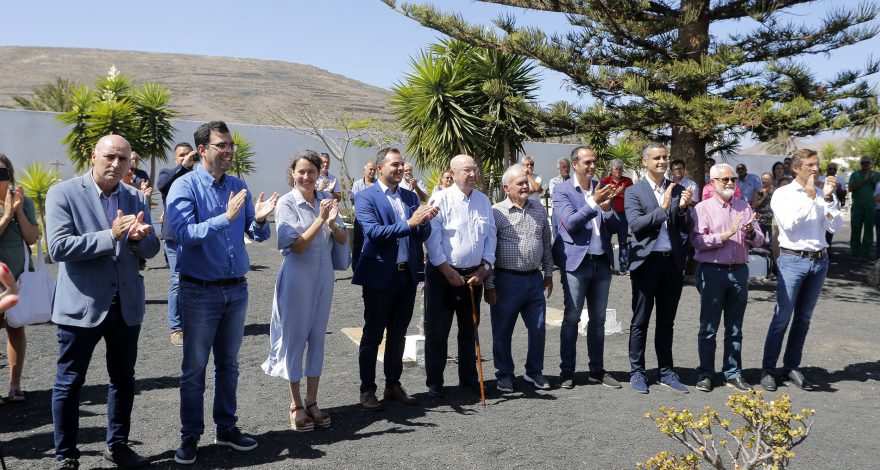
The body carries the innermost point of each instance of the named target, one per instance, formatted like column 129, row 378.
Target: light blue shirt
column 110, row 204
column 397, row 205
column 209, row 247
column 748, row 186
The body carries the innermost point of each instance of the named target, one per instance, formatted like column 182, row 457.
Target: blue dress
column 303, row 291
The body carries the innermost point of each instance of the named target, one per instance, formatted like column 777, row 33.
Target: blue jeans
column 173, row 285
column 721, row 291
column 589, row 282
column 623, row 241
column 213, row 319
column 76, row 346
column 799, row 285
column 518, row 295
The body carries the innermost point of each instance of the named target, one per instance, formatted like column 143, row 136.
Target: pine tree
column 655, row 70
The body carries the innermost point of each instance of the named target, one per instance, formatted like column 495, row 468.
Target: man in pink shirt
column 724, row 229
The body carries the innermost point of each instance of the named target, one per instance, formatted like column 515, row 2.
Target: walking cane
column 477, row 340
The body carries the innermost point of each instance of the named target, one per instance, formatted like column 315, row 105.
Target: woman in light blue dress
column 308, row 223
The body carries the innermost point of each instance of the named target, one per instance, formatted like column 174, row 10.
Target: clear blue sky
column 361, row 39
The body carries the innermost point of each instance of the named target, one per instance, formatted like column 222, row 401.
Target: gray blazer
column 92, row 267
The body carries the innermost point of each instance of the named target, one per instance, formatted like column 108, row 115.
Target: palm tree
column 36, row 180
column 783, row 144
column 829, row 152
column 51, row 97
column 870, row 147
column 243, row 163
column 871, row 123
column 154, row 116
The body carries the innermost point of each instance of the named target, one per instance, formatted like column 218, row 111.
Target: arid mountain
column 202, row 87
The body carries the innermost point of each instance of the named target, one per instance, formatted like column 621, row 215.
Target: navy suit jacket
column 382, row 232
column 91, row 266
column 574, row 228
column 646, row 219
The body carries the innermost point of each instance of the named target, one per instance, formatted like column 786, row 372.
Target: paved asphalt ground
column 588, row 427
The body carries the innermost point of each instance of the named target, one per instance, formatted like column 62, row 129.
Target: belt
column 804, row 253
column 465, row 271
column 664, row 254
column 591, row 256
column 402, row 266
column 729, row 267
column 531, row 272
column 219, row 282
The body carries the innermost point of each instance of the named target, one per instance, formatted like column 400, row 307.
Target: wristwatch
column 486, row 266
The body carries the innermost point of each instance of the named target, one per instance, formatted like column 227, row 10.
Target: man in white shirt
column 564, row 168
column 415, row 185
column 535, row 189
column 803, row 214
column 460, row 250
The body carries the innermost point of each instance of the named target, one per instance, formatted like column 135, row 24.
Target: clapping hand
column 333, row 213
column 422, row 214
column 235, row 203
column 262, row 208
column 9, row 296
column 138, row 229
column 16, row 199
column 685, row 198
column 121, row 224
column 603, row 196
column 810, row 188
column 666, row 200
column 324, row 208
column 830, row 186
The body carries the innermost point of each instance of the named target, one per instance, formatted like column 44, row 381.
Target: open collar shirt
column 463, row 232
column 397, row 204
column 714, row 216
column 595, row 246
column 523, row 239
column 803, row 221
column 663, row 243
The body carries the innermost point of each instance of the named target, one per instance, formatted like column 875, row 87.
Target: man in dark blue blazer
column 395, row 226
column 582, row 250
column 660, row 220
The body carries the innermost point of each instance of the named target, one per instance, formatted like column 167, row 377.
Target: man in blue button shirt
column 210, row 212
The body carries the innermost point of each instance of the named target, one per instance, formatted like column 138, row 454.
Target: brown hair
column 799, row 155
column 8, row 163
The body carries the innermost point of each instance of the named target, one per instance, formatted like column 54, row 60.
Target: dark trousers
column 357, row 243
column 623, row 241
column 655, row 280
column 76, row 345
column 386, row 309
column 442, row 302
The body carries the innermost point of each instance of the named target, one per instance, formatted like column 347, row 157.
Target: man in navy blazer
column 660, row 220
column 394, row 226
column 97, row 230
column 582, row 250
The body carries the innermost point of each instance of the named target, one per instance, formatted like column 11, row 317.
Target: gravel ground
column 589, row 427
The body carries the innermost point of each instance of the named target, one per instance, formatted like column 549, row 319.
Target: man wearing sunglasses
column 724, row 230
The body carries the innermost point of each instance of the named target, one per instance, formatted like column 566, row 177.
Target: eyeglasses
column 223, row 146
column 726, row 179
column 866, row 162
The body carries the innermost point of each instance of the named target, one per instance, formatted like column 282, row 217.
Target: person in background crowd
column 659, row 216
column 747, row 183
column 415, row 185
column 585, row 220
column 211, row 212
column 839, row 193
column 97, row 230
column 619, row 183
column 18, row 227
column 761, row 204
column 460, row 250
column 358, row 186
column 786, row 166
column 563, row 165
column 779, row 176
column 707, row 165
column 535, row 189
column 327, row 181
column 185, row 159
column 395, row 226
column 861, row 184
column 803, row 215
column 307, row 224
column 724, row 230
column 445, row 182
column 523, row 271
column 678, row 175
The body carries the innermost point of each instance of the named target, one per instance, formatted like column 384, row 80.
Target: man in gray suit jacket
column 97, row 229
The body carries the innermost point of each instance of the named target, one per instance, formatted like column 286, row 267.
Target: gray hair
column 716, row 168
column 616, row 163
column 649, row 146
column 563, row 159
column 527, row 158
column 509, row 172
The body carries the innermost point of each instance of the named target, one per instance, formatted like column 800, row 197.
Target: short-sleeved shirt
column 617, row 201
column 336, row 187
column 864, row 196
column 11, row 247
column 536, row 196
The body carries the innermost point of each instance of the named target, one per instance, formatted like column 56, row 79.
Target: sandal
column 307, row 424
column 15, row 395
column 321, row 419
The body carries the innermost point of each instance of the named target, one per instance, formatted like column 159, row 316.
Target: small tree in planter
column 766, row 439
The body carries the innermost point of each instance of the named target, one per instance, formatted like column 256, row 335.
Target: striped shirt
column 523, row 239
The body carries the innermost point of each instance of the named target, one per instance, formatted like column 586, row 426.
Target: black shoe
column 605, row 379
column 67, row 464
column 186, row 453
column 704, row 385
column 437, row 391
column 234, row 438
column 799, row 381
column 124, row 457
column 566, row 382
column 768, row 382
column 739, row 384
column 472, row 386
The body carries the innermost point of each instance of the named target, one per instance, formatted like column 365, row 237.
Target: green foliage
column 765, row 440
column 627, row 152
column 35, row 181
column 870, row 147
column 116, row 106
column 829, row 152
column 50, row 97
column 243, row 163
column 465, row 99
column 654, row 68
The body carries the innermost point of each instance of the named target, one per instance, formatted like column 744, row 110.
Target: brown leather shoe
column 398, row 394
column 369, row 402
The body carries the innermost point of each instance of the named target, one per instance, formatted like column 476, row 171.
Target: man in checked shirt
column 523, row 270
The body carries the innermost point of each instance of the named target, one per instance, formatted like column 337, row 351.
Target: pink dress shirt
column 713, row 217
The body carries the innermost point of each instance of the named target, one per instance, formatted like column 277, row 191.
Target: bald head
column 110, row 161
column 464, row 173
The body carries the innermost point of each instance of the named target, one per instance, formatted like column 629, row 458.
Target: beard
column 727, row 192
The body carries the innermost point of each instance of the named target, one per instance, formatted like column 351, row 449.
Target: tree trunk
column 693, row 42
column 688, row 146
